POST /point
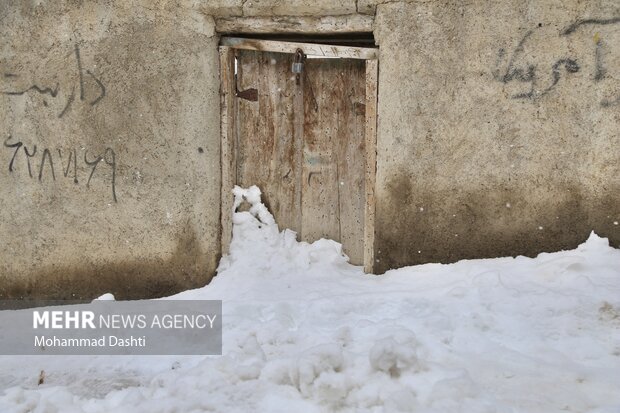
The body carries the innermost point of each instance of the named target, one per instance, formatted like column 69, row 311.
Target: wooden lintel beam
column 353, row 23
column 309, row 49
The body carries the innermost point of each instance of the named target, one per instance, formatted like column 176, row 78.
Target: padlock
column 298, row 67
column 298, row 64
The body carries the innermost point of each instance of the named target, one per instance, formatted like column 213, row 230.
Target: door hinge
column 248, row 94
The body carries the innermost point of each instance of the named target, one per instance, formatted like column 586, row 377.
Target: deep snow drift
column 304, row 331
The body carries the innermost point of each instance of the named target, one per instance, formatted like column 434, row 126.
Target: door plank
column 228, row 150
column 351, row 162
column 334, row 152
column 372, row 73
column 266, row 132
column 320, row 206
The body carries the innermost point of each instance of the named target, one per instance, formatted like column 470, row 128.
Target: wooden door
column 302, row 142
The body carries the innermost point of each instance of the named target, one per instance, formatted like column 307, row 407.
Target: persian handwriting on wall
column 41, row 164
column 53, row 92
column 529, row 73
column 47, row 164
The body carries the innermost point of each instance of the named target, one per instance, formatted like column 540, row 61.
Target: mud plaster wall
column 498, row 128
column 109, row 149
column 497, row 135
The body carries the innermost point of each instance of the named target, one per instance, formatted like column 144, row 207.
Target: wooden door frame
column 228, row 150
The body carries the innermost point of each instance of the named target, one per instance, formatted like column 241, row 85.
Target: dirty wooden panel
column 372, row 71
column 266, row 148
column 320, row 206
column 333, row 197
column 228, row 154
column 310, row 49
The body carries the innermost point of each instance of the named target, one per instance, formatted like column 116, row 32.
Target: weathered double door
column 301, row 139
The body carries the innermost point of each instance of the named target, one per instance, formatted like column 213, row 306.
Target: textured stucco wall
column 140, row 106
column 498, row 128
column 497, row 135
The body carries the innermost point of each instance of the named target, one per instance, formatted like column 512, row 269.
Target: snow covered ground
column 304, row 331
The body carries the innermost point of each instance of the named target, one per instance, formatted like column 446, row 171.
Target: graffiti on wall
column 539, row 80
column 46, row 164
column 83, row 75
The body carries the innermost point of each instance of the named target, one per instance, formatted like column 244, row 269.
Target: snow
column 305, row 331
column 105, row 297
